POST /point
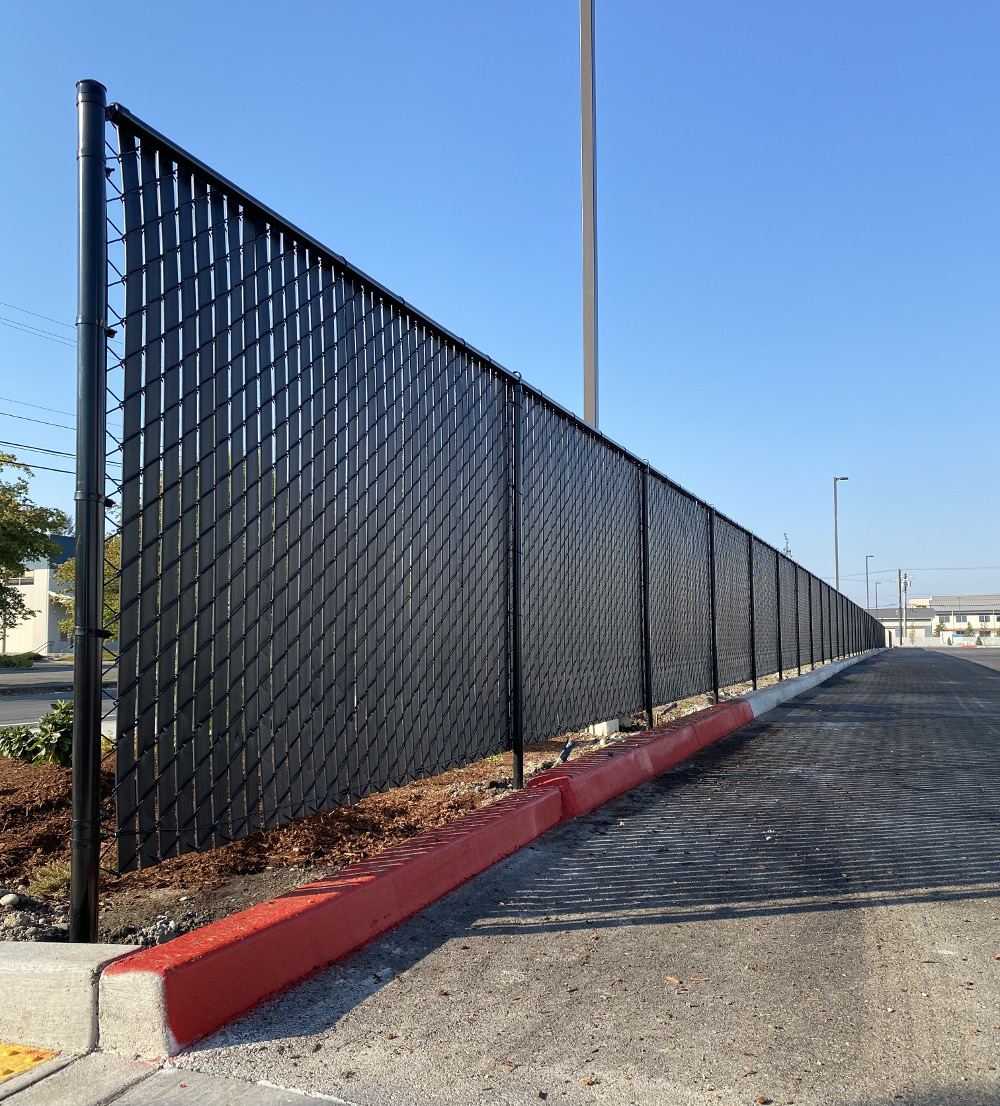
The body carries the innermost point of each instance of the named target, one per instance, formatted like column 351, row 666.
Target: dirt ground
column 186, row 892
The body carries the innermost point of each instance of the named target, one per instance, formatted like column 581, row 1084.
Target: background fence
column 355, row 551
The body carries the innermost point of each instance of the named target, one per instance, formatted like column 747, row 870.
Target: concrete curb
column 157, row 1001
column 767, row 698
column 50, row 992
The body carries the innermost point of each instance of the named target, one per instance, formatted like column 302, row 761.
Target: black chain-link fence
column 317, row 535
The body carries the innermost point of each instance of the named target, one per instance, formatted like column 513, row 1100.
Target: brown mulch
column 35, row 809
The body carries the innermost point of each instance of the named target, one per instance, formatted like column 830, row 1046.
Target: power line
column 42, row 449
column 69, row 472
column 48, row 319
column 41, row 422
column 38, row 449
column 958, row 568
column 38, row 332
column 37, row 406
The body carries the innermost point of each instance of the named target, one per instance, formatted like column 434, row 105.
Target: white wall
column 40, row 634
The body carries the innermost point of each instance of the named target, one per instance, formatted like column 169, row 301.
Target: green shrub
column 16, row 660
column 55, row 736
column 18, row 743
column 50, row 743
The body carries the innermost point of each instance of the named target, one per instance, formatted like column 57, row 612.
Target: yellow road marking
column 15, row 1059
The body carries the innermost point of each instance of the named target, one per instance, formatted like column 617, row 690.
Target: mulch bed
column 191, row 890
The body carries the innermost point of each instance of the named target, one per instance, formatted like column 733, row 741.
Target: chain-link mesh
column 732, row 595
column 313, row 553
column 582, row 576
column 315, row 518
column 765, row 602
column 680, row 598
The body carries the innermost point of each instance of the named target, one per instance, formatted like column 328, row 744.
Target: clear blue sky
column 799, row 208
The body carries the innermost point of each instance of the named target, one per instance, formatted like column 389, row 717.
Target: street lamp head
column 841, row 478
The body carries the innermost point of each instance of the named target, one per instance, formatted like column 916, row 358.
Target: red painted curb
column 592, row 780
column 216, row 973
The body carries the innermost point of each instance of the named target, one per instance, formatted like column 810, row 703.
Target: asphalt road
column 807, row 912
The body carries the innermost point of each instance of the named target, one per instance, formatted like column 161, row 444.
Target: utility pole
column 899, row 576
column 836, row 542
column 906, row 604
column 868, row 600
column 588, row 165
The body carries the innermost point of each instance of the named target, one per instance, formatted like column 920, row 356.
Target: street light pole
column 836, row 541
column 588, row 166
column 868, row 601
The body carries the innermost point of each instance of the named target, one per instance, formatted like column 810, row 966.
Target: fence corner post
column 88, row 631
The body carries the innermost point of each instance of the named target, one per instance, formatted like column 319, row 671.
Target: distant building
column 951, row 615
column 41, row 633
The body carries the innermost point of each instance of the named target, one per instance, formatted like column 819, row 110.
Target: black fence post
column 753, row 616
column 777, row 615
column 812, row 634
column 647, row 647
column 516, row 654
column 711, row 579
column 91, row 403
column 798, row 625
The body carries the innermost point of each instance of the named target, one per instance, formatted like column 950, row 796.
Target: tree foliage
column 25, row 535
column 66, row 575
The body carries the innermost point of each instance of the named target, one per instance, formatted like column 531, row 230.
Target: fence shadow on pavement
column 850, row 796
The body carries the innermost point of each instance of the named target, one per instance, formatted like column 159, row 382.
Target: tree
column 25, row 535
column 66, row 575
column 939, row 627
column 787, row 550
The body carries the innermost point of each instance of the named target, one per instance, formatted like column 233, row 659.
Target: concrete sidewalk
column 807, row 912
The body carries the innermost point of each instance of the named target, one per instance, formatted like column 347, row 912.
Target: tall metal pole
column 899, row 574
column 88, row 631
column 588, row 165
column 868, row 599
column 517, row 661
column 836, row 541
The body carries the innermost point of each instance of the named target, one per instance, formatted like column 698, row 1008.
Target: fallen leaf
column 670, row 979
column 445, row 993
column 591, row 1082
column 764, row 1101
column 698, row 979
column 927, row 960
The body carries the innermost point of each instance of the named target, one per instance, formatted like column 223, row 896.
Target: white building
column 958, row 620
column 41, row 633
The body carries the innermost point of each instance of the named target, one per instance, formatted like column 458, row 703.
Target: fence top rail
column 121, row 117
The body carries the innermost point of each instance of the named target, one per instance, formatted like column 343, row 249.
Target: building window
column 960, row 617
column 27, row 578
column 984, row 618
